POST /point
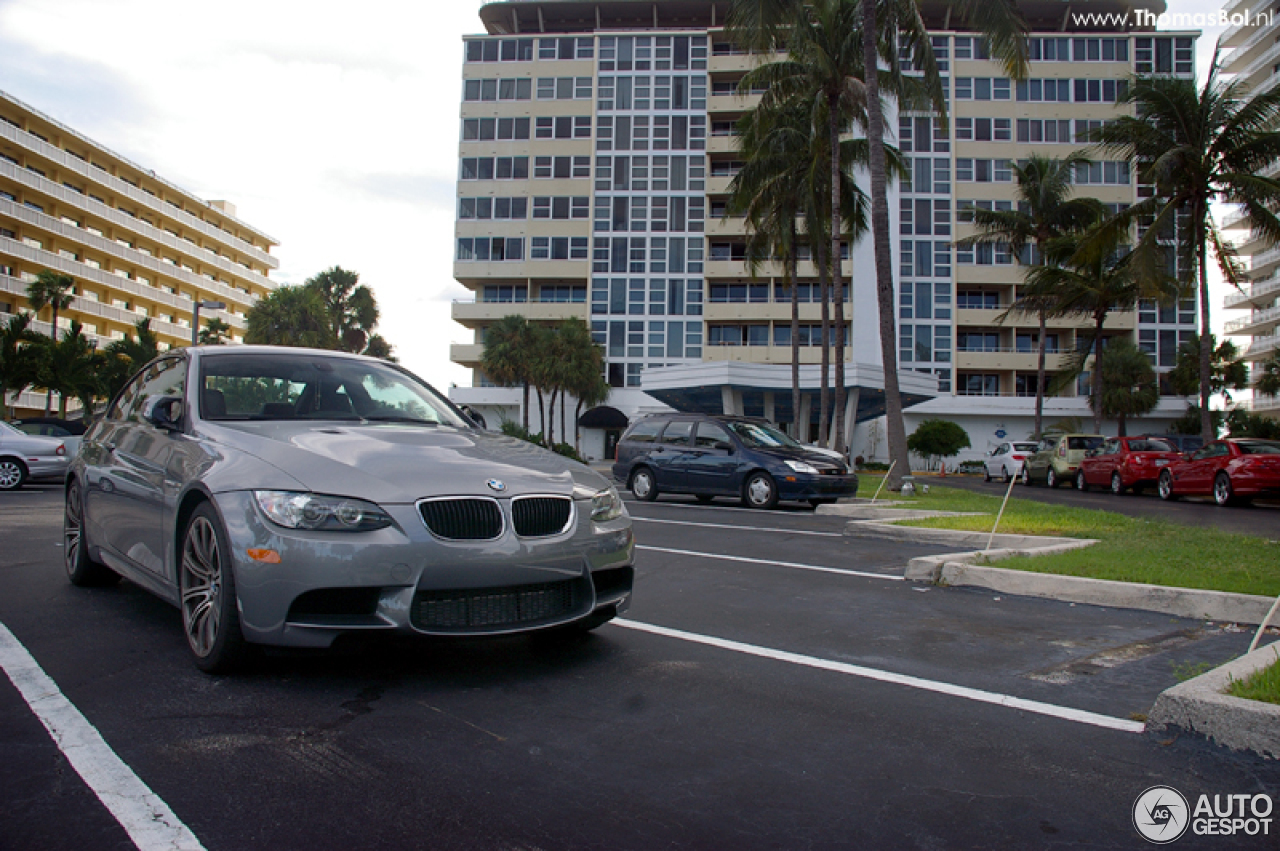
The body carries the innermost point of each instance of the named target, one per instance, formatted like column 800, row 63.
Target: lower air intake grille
column 496, row 608
column 539, row 516
column 462, row 519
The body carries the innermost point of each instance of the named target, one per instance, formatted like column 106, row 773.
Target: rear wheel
column 13, row 474
column 759, row 491
column 643, row 486
column 1081, row 484
column 1026, row 475
column 82, row 569
column 1051, row 479
column 1222, row 492
column 207, row 590
column 1164, row 486
column 1117, row 484
column 1007, row 477
column 986, row 473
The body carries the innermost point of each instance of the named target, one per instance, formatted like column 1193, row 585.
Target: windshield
column 759, row 436
column 287, row 386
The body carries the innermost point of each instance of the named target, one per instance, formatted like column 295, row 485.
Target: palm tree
column 1267, row 380
column 1090, row 276
column 18, row 361
column 72, row 367
column 290, row 316
column 127, row 355
column 1199, row 147
column 1227, row 370
column 50, row 289
column 1044, row 212
column 1129, row 380
column 508, row 355
column 214, row 333
column 351, row 307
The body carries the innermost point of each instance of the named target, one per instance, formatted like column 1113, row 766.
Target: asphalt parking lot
column 775, row 685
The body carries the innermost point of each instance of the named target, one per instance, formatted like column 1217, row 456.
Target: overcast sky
column 332, row 126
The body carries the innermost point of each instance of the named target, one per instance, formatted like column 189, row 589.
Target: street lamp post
column 195, row 316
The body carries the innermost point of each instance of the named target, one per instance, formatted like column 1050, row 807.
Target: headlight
column 606, row 505
column 317, row 512
column 802, row 467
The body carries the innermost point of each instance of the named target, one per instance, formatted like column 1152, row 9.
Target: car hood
column 396, row 463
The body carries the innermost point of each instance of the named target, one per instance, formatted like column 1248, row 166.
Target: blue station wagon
column 740, row 457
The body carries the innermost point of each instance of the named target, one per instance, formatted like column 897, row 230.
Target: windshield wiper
column 399, row 418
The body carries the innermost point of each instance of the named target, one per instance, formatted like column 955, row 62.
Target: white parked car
column 1005, row 461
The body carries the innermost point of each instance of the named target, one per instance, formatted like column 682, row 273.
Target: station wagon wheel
column 82, row 569
column 207, row 589
column 1026, row 475
column 643, row 486
column 13, row 473
column 1117, row 485
column 1081, row 483
column 1164, row 486
column 1051, row 478
column 1222, row 492
column 759, row 491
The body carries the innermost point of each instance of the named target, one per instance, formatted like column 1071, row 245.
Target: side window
column 1111, row 447
column 1205, row 452
column 1002, row 449
column 645, row 431
column 709, row 434
column 163, row 378
column 678, row 432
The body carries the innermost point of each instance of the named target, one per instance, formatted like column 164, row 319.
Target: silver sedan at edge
column 25, row 457
column 285, row 496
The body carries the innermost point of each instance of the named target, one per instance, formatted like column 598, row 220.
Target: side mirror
column 164, row 412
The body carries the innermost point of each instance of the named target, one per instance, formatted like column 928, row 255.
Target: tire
column 1117, row 484
column 703, row 498
column 986, row 473
column 1222, row 492
column 1008, row 476
column 13, row 474
column 643, row 486
column 759, row 491
column 1081, row 484
column 1051, row 479
column 1026, row 475
column 83, row 570
column 207, row 595
column 1164, row 486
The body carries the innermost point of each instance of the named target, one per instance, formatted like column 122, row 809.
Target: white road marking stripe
column 791, row 564
column 145, row 817
column 1066, row 713
column 739, row 528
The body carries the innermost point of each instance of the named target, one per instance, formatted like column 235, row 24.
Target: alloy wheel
column 201, row 585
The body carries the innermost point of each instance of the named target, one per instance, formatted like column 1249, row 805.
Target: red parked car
column 1232, row 470
column 1124, row 463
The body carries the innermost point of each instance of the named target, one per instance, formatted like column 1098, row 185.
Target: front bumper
column 315, row 586
column 802, row 486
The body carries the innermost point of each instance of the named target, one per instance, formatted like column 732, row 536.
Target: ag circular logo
column 496, row 485
column 1161, row 814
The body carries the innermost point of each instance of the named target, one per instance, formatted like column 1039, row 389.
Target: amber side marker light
column 264, row 556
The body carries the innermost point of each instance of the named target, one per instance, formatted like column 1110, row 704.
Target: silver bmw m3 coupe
column 286, row 496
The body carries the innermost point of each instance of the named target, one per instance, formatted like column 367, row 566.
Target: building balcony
column 1258, row 294
column 1261, row 348
column 466, row 354
column 968, row 317
column 719, row 184
column 1265, row 262
column 1265, row 405
column 764, row 354
column 475, row 314
column 1008, row 359
column 722, row 144
column 720, row 63
column 1262, row 322
column 726, row 226
column 731, row 104
column 775, row 311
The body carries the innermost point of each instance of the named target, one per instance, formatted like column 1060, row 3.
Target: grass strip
column 1263, row 685
column 1129, row 549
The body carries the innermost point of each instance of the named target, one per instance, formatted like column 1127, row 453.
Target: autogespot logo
column 1160, row 814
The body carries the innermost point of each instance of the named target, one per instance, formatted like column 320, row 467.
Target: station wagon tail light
column 320, row 513
column 1062, row 449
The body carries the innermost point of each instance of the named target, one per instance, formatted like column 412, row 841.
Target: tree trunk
column 551, row 417
column 524, row 408
column 795, row 346
column 542, row 416
column 1040, row 375
column 577, row 430
column 53, row 334
column 1097, row 373
column 1207, row 431
column 824, row 379
column 837, row 269
column 897, row 431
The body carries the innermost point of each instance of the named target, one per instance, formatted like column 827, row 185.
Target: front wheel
column 1222, row 492
column 207, row 588
column 760, row 491
column 642, row 485
column 1026, row 476
column 1081, row 484
column 82, row 569
column 1164, row 486
column 1051, row 479
column 13, row 474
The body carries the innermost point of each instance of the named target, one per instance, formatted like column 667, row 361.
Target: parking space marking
column 1065, row 713
column 145, row 817
column 791, row 564
column 739, row 528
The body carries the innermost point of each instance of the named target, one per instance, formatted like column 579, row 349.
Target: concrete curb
column 1200, row 706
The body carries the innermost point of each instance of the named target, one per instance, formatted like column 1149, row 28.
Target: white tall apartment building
column 1253, row 57
column 137, row 245
column 597, row 144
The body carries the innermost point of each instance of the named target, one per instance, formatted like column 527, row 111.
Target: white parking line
column 791, row 564
column 145, row 817
column 1065, row 713
column 739, row 528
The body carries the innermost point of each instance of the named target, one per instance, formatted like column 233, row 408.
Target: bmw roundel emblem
column 496, row 485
